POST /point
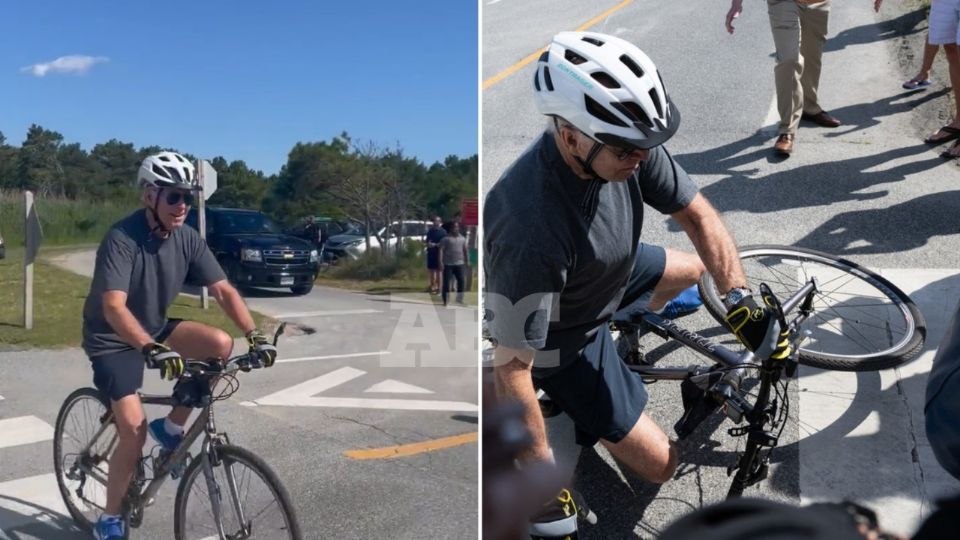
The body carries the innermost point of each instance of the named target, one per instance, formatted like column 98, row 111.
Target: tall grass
column 64, row 221
column 373, row 265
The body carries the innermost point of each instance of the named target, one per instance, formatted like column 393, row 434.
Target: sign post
column 33, row 234
column 469, row 220
column 207, row 177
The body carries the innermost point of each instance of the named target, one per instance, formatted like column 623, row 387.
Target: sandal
column 953, row 152
column 915, row 83
column 951, row 134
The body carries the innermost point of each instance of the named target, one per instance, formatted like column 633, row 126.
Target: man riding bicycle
column 563, row 254
column 142, row 264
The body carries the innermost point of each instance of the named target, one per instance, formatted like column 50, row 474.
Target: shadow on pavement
column 39, row 523
column 909, row 23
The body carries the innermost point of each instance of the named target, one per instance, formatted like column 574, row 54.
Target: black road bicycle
column 840, row 316
column 225, row 492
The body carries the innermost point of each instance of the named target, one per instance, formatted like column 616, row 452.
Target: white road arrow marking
column 391, row 386
column 302, row 395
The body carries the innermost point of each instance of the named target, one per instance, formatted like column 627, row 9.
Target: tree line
column 341, row 178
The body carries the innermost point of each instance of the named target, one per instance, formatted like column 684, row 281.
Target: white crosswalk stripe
column 26, row 502
column 24, row 430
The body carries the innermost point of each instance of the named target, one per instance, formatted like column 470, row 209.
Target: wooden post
column 202, row 223
column 28, row 255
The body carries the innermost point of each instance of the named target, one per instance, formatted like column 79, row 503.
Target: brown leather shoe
column 822, row 118
column 784, row 144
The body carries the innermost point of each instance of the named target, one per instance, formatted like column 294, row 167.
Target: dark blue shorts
column 120, row 374
column 433, row 258
column 602, row 396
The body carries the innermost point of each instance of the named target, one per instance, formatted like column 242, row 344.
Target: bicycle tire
column 235, row 454
column 81, row 519
column 911, row 330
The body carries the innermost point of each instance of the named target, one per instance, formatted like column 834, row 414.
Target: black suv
column 255, row 253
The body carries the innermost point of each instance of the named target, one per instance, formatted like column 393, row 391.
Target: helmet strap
column 587, row 163
column 163, row 231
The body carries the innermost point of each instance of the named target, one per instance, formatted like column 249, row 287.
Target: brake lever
column 765, row 292
column 279, row 332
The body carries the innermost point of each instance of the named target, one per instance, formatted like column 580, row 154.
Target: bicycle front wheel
column 81, row 474
column 253, row 503
column 860, row 321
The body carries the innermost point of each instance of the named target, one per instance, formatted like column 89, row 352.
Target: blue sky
column 243, row 79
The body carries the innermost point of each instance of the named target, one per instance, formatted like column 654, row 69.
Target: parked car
column 326, row 227
column 352, row 245
column 254, row 252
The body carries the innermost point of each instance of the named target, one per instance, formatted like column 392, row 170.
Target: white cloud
column 74, row 63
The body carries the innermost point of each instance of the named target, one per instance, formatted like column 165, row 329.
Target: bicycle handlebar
column 246, row 361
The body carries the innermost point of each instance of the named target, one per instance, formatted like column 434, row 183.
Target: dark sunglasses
column 174, row 197
column 622, row 153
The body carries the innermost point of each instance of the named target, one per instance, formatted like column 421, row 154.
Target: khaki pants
column 799, row 32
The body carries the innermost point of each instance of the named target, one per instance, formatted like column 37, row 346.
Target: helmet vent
column 631, row 65
column 174, row 175
column 601, row 112
column 546, row 78
column 633, row 111
column 545, row 57
column 605, row 79
column 536, row 80
column 160, row 171
column 595, row 41
column 573, row 57
column 655, row 97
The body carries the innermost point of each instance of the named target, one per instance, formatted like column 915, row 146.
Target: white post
column 202, row 223
column 29, row 251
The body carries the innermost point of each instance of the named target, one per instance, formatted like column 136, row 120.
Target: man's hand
column 169, row 362
column 758, row 329
column 259, row 344
column 736, row 8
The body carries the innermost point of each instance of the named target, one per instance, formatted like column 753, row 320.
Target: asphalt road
column 869, row 190
column 356, row 373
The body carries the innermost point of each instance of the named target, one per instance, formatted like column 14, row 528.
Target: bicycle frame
column 751, row 467
column 203, row 423
column 719, row 354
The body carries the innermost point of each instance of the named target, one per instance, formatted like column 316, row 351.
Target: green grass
column 376, row 274
column 58, row 297
column 64, row 221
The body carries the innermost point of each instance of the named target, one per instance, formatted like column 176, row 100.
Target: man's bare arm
column 702, row 223
column 233, row 305
column 514, row 382
column 116, row 312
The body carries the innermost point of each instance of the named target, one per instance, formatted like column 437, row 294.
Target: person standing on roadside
column 433, row 237
column 453, row 259
column 799, row 32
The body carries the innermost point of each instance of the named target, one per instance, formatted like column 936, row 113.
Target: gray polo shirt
column 453, row 247
column 151, row 270
column 558, row 249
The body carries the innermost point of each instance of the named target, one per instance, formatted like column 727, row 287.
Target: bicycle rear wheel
column 78, row 421
column 244, row 486
column 860, row 321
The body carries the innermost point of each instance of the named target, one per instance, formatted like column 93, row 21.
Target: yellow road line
column 519, row 65
column 414, row 448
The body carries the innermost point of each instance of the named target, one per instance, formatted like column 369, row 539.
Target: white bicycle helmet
column 168, row 170
column 606, row 87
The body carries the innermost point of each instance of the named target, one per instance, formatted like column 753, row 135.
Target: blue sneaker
column 685, row 303
column 168, row 443
column 108, row 529
column 159, row 434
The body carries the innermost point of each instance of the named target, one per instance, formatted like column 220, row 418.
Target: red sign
column 469, row 210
